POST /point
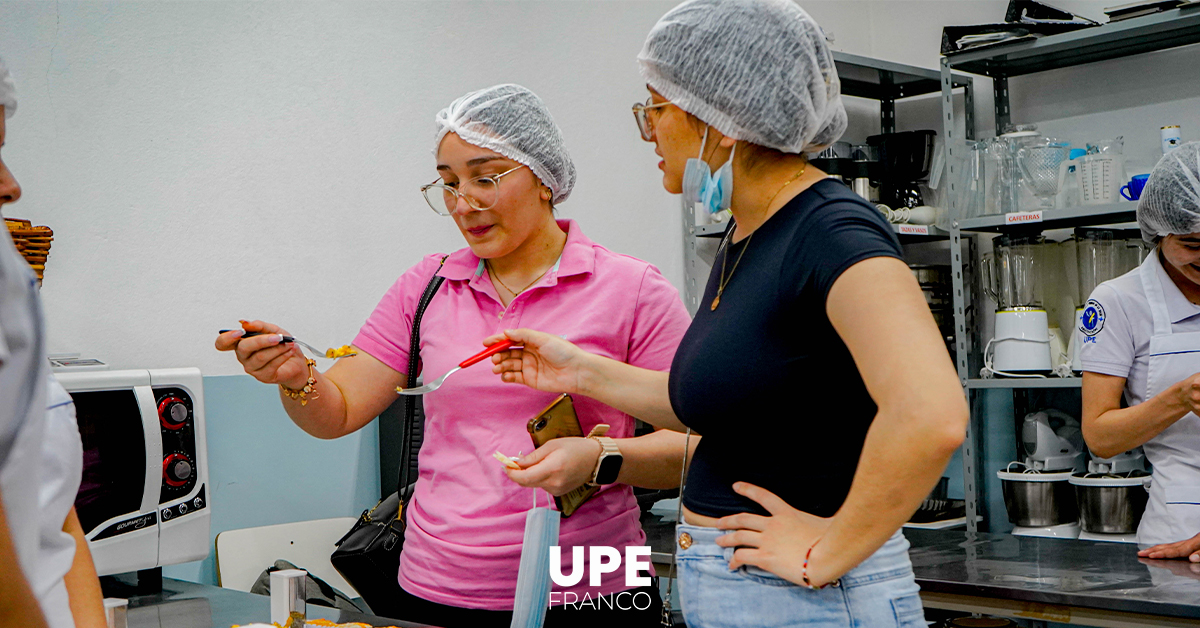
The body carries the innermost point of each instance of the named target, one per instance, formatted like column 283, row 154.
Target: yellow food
column 340, row 352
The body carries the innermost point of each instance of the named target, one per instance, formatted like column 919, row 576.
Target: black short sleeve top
column 765, row 378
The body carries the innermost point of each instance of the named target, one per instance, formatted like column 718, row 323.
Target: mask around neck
column 712, row 191
column 533, row 574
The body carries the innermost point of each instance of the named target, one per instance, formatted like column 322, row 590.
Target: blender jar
column 1011, row 273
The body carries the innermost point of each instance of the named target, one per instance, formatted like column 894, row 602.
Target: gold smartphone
column 556, row 421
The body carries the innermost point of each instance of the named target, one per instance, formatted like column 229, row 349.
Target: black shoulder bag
column 369, row 554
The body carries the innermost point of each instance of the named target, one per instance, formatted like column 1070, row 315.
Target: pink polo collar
column 578, row 257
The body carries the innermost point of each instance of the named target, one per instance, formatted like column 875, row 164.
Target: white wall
column 202, row 162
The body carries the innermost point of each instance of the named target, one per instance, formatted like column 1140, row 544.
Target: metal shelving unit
column 905, row 231
column 1168, row 29
column 1084, row 215
column 1150, row 33
column 861, row 77
column 1015, row 384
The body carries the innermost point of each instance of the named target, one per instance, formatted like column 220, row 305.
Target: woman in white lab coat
column 1143, row 344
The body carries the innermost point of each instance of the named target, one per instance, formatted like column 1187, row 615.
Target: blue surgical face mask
column 712, row 191
column 533, row 575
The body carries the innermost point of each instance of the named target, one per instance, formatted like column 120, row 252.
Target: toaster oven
column 144, row 498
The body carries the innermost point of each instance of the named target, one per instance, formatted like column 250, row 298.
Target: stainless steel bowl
column 1038, row 499
column 1109, row 504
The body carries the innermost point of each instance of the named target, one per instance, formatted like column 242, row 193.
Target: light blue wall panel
column 264, row 470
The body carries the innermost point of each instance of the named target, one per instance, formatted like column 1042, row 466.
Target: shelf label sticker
column 913, row 229
column 1018, row 218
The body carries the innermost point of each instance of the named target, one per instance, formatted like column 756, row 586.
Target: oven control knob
column 172, row 413
column 177, row 470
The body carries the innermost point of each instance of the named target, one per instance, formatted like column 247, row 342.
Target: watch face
column 610, row 468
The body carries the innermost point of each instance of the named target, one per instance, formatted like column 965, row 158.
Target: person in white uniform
column 22, row 409
column 1142, row 343
column 66, row 582
column 41, row 456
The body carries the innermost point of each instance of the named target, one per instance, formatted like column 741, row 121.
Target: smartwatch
column 608, row 467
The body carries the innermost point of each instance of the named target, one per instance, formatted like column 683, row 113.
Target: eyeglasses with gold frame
column 645, row 125
column 480, row 193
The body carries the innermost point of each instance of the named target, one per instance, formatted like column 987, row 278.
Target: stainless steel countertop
column 1066, row 572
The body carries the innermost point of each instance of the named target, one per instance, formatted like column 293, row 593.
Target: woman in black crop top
column 813, row 367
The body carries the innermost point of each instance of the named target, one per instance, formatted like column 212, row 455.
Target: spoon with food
column 344, row 351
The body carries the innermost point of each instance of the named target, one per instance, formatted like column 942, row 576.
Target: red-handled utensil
column 503, row 345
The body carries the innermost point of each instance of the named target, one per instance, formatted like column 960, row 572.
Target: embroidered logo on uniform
column 1091, row 321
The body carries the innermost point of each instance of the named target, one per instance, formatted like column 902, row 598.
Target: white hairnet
column 514, row 122
column 8, row 91
column 1170, row 202
column 757, row 70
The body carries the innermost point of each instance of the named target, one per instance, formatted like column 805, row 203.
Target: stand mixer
column 1052, row 441
column 1112, row 496
column 1037, row 491
column 1011, row 277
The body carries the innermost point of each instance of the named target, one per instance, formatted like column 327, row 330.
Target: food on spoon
column 341, row 352
column 510, row 462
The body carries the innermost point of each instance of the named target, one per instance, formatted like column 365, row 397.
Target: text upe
column 601, row 560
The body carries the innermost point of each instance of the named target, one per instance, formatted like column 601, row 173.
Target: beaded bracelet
column 309, row 388
column 804, row 571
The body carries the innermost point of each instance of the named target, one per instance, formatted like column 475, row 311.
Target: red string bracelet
column 804, row 572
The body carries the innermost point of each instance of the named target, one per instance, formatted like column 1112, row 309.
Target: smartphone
column 559, row 420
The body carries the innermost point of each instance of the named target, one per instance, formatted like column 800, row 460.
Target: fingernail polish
column 242, row 321
column 278, row 338
column 238, row 333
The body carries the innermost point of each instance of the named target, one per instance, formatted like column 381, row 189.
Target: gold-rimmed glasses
column 480, row 193
column 643, row 119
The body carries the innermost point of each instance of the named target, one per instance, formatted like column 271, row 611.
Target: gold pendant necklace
column 493, row 274
column 729, row 233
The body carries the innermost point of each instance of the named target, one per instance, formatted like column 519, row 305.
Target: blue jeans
column 879, row 593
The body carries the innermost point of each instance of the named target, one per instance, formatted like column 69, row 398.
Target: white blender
column 1096, row 254
column 1112, row 497
column 1011, row 277
column 1037, row 490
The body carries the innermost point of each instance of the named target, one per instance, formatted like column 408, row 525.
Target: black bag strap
column 410, row 401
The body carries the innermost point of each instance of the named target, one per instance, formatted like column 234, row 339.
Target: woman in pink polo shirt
column 502, row 163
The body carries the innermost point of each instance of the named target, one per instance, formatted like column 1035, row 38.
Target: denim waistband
column 889, row 561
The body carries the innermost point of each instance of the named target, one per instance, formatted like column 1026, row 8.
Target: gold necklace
column 729, row 233
column 497, row 278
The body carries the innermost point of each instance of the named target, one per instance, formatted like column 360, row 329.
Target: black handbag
column 368, row 556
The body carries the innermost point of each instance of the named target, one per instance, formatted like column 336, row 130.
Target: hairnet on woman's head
column 8, row 91
column 1170, row 202
column 514, row 122
column 757, row 70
